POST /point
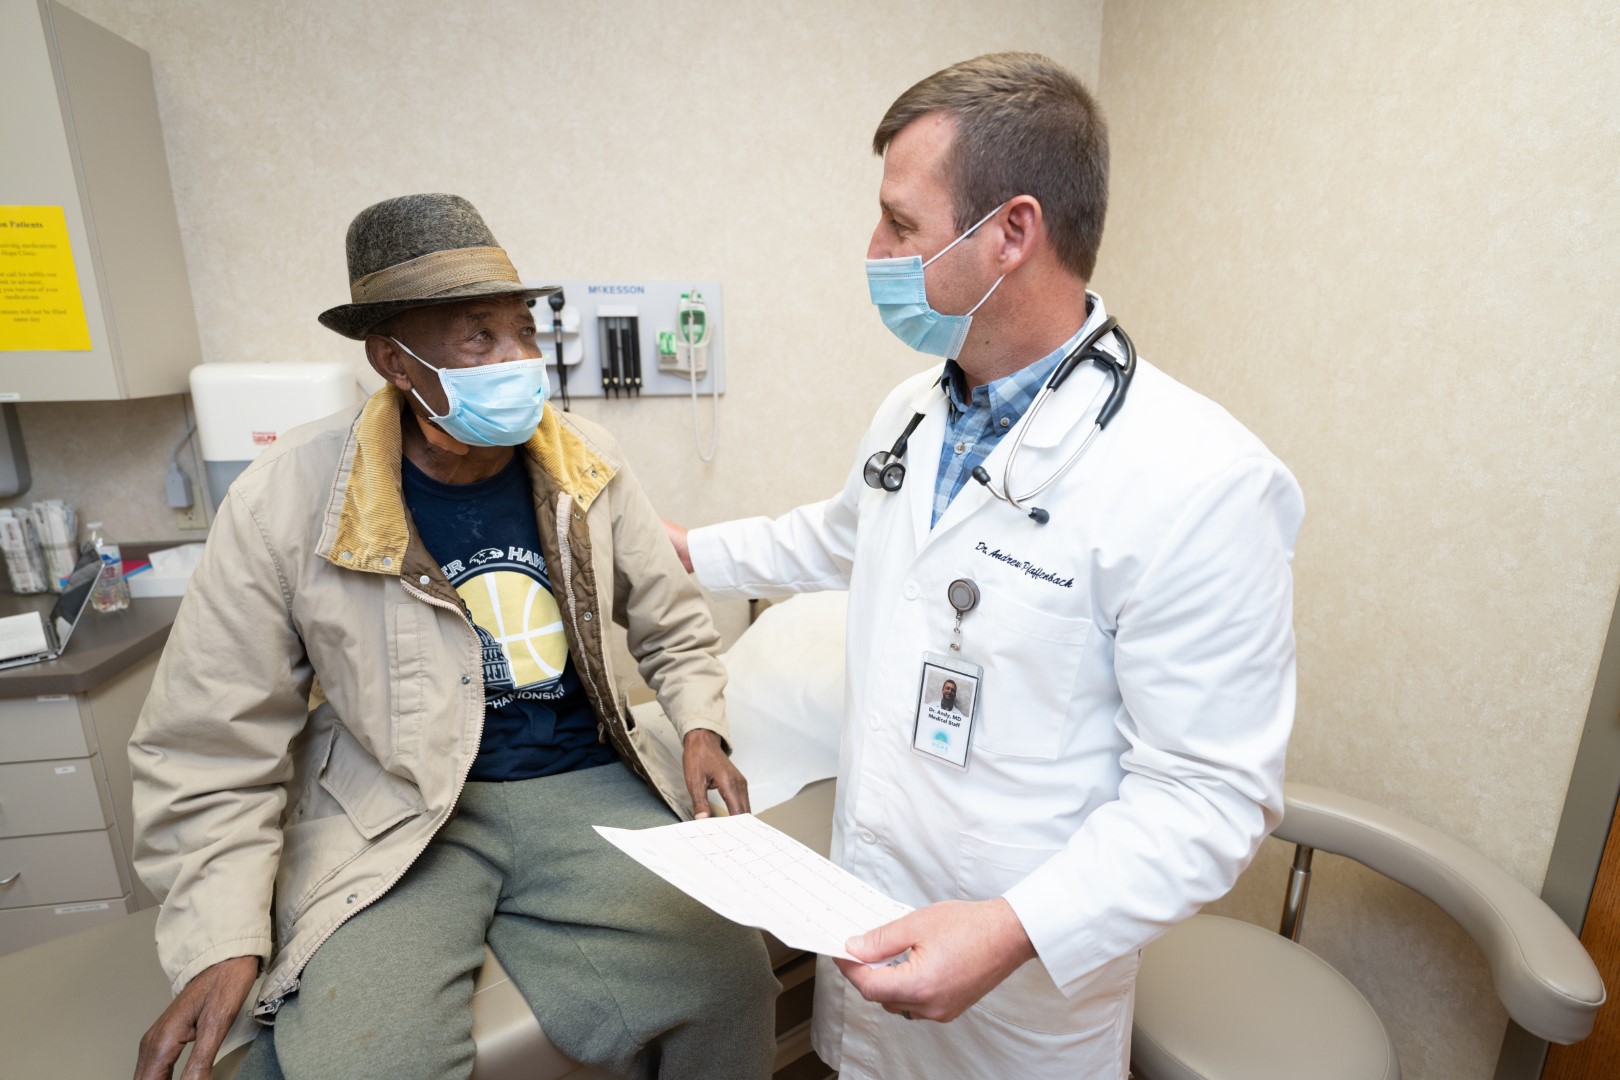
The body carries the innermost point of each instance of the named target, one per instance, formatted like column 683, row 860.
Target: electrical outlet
column 191, row 517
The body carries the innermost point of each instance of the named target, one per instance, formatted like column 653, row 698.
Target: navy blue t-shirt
column 537, row 720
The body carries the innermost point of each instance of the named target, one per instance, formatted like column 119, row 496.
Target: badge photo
column 947, row 700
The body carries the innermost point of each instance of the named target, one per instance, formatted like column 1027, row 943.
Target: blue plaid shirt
column 973, row 428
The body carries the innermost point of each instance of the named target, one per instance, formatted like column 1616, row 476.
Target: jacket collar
column 366, row 525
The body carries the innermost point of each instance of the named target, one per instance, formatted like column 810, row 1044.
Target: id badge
column 947, row 700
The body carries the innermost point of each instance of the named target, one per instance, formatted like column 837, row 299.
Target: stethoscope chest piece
column 885, row 470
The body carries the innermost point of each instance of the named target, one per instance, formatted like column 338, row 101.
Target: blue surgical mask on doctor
column 898, row 289
column 492, row 404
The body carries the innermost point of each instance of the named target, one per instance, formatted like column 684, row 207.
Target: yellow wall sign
column 40, row 304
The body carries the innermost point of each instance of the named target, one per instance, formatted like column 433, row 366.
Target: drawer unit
column 42, row 728
column 62, row 868
column 66, row 819
column 22, row 927
column 51, row 797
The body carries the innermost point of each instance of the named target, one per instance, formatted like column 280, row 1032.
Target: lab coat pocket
column 1031, row 662
column 1028, row 998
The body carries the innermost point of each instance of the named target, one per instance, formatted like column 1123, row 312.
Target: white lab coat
column 1132, row 722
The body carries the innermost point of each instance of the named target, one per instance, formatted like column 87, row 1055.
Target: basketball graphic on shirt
column 518, row 615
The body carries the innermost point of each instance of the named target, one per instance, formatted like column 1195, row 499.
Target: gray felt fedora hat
column 418, row 250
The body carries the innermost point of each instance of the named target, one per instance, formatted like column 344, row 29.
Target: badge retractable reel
column 948, row 692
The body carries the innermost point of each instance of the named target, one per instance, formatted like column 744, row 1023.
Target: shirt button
column 423, row 579
column 465, row 679
column 911, row 591
column 961, row 447
column 873, row 722
column 587, row 616
column 348, row 556
column 868, row 836
column 351, row 898
column 388, row 560
column 1005, row 422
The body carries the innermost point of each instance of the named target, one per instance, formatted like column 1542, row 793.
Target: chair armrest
column 1542, row 974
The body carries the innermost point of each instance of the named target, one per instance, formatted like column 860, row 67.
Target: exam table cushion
column 1190, row 1028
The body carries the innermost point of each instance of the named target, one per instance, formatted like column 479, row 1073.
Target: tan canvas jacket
column 320, row 699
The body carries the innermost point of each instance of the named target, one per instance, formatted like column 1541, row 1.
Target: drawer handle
column 9, row 880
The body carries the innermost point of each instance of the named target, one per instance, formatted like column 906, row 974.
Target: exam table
column 76, row 1007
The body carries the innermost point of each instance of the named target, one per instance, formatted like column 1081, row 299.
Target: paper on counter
column 758, row 876
column 22, row 635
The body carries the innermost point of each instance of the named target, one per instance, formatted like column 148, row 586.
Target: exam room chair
column 1220, row 999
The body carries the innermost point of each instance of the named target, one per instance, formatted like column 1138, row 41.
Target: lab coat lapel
column 922, row 469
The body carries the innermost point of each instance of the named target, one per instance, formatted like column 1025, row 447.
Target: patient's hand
column 677, row 536
column 202, row 1014
column 707, row 766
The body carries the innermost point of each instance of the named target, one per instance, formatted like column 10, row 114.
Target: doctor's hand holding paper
column 1114, row 586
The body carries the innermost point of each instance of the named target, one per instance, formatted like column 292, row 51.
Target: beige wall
column 1384, row 235
column 725, row 140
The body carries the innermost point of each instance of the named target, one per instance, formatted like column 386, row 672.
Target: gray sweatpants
column 623, row 971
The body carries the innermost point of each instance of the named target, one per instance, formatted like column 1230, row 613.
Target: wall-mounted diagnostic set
column 629, row 339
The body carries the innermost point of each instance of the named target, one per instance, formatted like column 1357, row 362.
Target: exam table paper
column 758, row 876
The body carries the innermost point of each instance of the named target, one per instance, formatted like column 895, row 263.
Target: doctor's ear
column 1023, row 231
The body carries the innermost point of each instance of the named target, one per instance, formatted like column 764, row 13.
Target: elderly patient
column 386, row 720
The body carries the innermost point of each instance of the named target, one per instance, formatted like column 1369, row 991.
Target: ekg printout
column 758, row 876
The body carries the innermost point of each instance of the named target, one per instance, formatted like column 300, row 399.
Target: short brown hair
column 1025, row 126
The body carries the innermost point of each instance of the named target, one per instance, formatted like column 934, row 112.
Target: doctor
column 1134, row 653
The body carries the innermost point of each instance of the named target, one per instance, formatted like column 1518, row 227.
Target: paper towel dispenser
column 242, row 409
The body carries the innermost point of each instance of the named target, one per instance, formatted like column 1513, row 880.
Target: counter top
column 101, row 647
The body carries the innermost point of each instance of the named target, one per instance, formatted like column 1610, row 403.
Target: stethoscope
column 887, row 472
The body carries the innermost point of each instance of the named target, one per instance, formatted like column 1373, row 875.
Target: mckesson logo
column 616, row 290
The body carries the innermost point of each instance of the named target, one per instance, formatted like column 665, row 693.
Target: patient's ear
column 388, row 360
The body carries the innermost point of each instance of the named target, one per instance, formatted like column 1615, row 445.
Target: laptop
column 30, row 638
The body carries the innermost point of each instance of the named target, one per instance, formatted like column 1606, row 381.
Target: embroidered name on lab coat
column 1029, row 568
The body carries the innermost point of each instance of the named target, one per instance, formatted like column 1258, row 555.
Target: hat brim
column 357, row 320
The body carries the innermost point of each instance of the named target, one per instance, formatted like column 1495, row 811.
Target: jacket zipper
column 270, row 1006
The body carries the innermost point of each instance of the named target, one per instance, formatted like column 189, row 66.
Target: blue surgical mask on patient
column 492, row 404
column 898, row 289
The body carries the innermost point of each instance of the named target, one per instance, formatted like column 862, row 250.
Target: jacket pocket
column 1031, row 660
column 374, row 799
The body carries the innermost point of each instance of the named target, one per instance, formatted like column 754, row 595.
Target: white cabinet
column 79, row 131
column 65, row 819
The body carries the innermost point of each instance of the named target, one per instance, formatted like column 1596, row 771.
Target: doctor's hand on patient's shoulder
column 677, row 536
column 708, row 768
column 202, row 1014
column 960, row 951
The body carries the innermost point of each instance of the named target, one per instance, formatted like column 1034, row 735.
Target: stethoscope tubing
column 885, row 470
column 1121, row 374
